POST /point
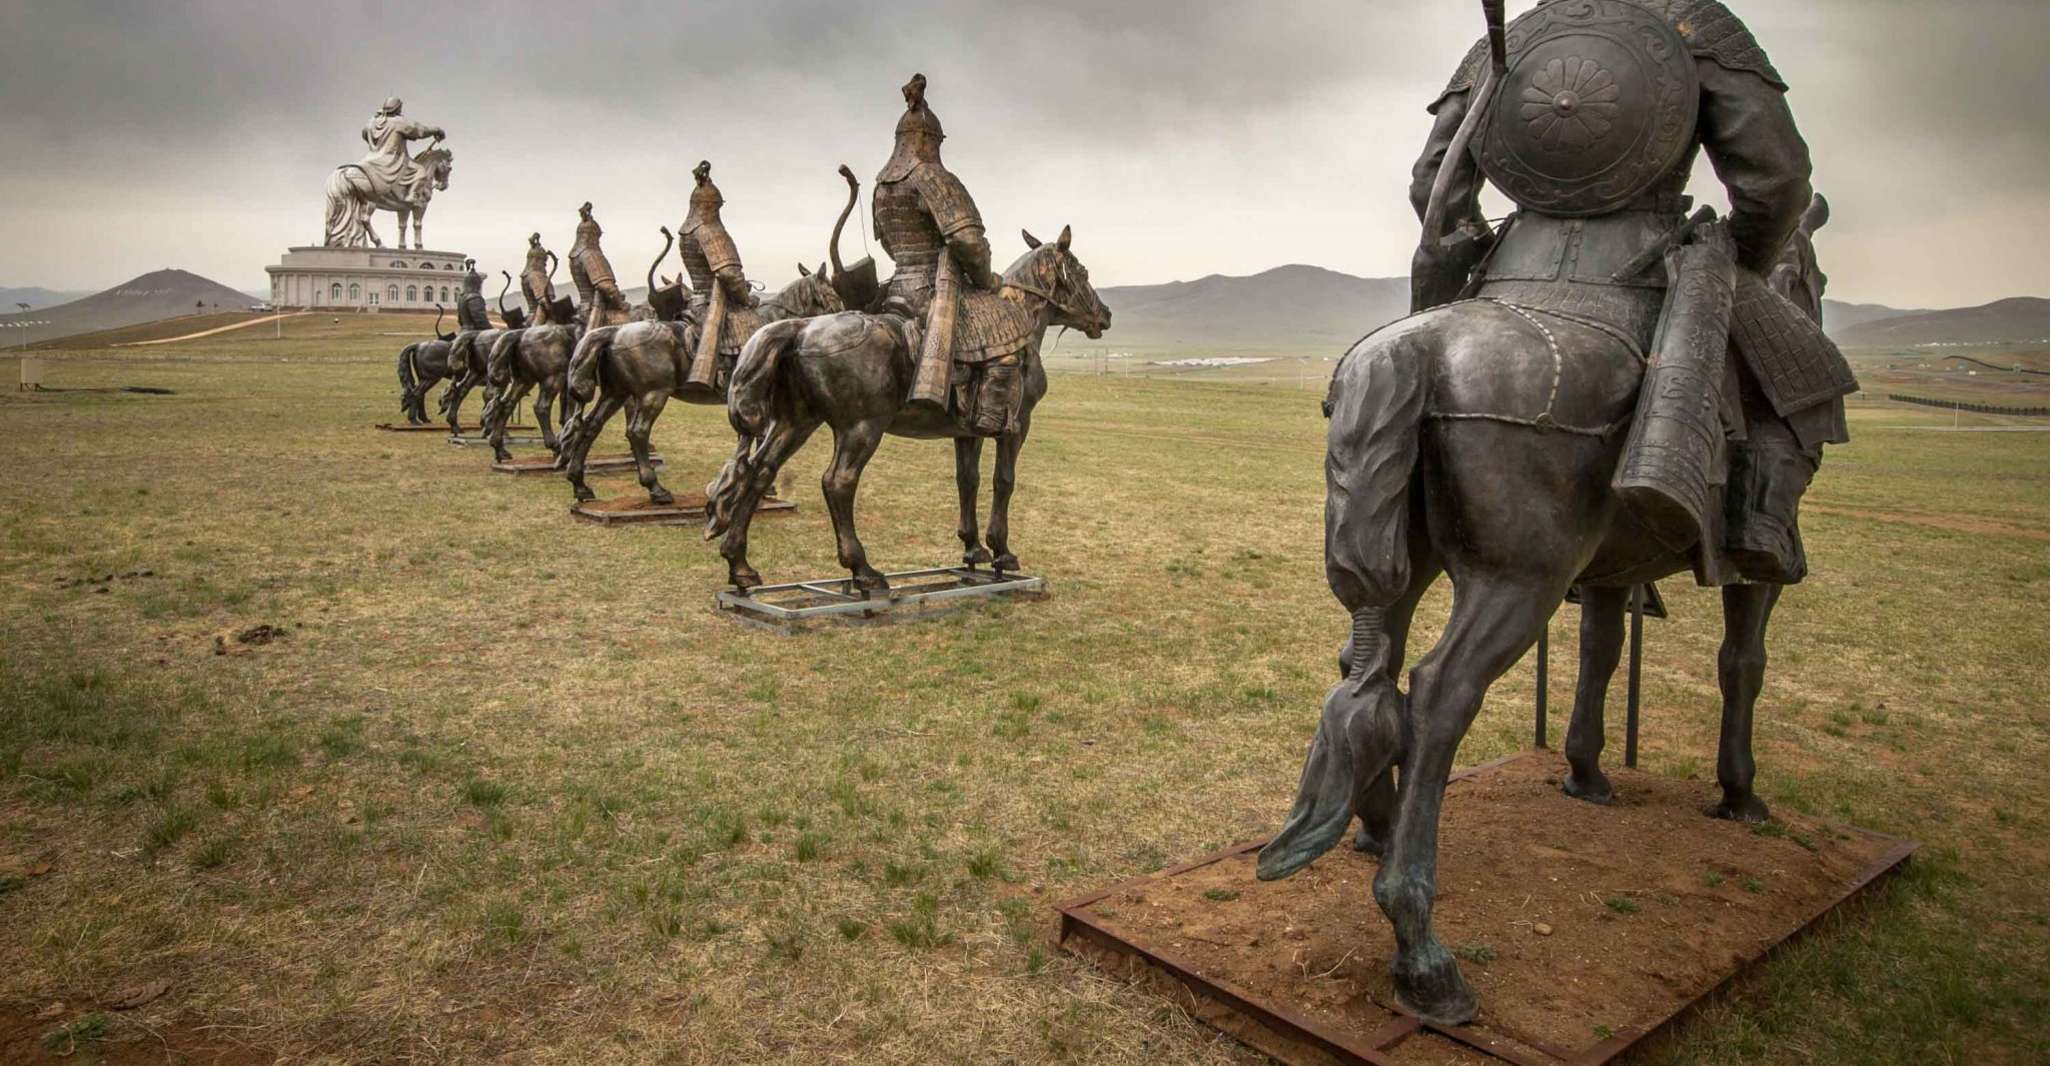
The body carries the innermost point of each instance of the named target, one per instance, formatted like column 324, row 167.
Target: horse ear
column 821, row 271
column 1030, row 240
column 1067, row 238
column 803, row 271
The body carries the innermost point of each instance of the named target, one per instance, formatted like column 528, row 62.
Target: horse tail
column 339, row 218
column 1376, row 406
column 409, row 377
column 754, row 376
column 498, row 367
column 438, row 334
column 583, row 364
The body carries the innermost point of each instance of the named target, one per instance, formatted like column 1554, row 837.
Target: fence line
column 1974, row 408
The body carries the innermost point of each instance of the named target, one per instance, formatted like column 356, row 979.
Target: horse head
column 811, row 294
column 1052, row 273
column 437, row 162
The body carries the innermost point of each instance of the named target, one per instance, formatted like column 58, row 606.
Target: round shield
column 1599, row 103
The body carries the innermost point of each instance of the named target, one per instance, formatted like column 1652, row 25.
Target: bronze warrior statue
column 933, row 232
column 1517, row 435
column 592, row 272
column 721, row 298
column 638, row 367
column 968, row 372
column 537, row 283
column 471, row 312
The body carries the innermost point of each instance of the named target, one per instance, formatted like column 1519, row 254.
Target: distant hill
column 2020, row 319
column 37, row 296
column 1838, row 316
column 1289, row 309
column 158, row 294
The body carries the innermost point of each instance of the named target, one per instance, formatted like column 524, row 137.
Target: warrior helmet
column 705, row 200
column 918, row 134
column 533, row 240
column 392, row 106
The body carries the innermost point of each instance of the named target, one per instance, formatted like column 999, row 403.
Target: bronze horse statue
column 532, row 359
column 853, row 372
column 640, row 365
column 470, row 352
column 352, row 198
column 421, row 365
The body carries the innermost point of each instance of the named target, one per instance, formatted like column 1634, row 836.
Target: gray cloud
column 1178, row 137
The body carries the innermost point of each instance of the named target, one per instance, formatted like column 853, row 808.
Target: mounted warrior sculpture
column 946, row 351
column 689, row 355
column 386, row 179
column 421, row 365
column 472, row 344
column 536, row 359
column 1602, row 393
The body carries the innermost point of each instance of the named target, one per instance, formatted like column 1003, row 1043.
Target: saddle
column 741, row 323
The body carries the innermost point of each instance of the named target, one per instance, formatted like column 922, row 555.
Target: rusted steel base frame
column 666, row 516
column 1075, row 924
column 538, row 465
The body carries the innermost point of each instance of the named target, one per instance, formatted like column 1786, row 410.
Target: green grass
column 456, row 790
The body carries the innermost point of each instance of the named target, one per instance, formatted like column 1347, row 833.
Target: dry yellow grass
column 507, row 787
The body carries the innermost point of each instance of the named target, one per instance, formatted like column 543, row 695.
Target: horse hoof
column 661, row 497
column 584, row 494
column 1006, row 561
column 1748, row 809
column 1594, row 789
column 744, row 577
column 871, row 580
column 1432, row 988
column 1367, row 843
column 978, row 557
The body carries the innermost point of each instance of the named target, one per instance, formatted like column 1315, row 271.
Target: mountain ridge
column 159, row 294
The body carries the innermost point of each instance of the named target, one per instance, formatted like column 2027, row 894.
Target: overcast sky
column 1179, row 137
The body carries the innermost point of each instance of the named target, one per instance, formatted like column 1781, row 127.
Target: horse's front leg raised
column 968, row 480
column 853, row 446
column 1601, row 648
column 1006, row 480
column 1741, row 666
column 1495, row 620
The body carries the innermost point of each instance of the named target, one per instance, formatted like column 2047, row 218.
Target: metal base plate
column 1208, row 934
column 913, row 594
column 442, row 427
column 545, row 464
column 687, row 510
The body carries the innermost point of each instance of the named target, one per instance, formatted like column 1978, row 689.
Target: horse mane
column 1016, row 271
column 433, row 156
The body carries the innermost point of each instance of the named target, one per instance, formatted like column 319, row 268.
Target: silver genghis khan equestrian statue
column 386, row 179
column 1600, row 393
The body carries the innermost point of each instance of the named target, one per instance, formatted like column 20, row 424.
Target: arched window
column 412, row 294
column 398, row 264
column 355, row 292
column 448, row 266
column 391, row 292
column 444, row 292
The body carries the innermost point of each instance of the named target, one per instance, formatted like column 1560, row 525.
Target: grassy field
column 504, row 787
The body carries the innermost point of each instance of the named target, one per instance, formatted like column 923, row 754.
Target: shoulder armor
column 1714, row 33
column 1711, row 31
column 1467, row 76
column 946, row 198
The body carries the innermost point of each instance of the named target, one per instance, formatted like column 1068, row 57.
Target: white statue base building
column 366, row 279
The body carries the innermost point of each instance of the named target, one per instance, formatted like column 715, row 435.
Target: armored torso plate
column 906, row 228
column 707, row 249
column 1599, row 104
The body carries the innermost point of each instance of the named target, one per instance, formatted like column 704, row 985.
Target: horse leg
column 968, row 480
column 1741, row 666
column 853, row 446
column 1495, row 619
column 1006, row 479
column 578, row 448
column 509, row 401
column 640, row 423
column 1376, row 802
column 544, row 398
column 1601, row 648
column 756, row 479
